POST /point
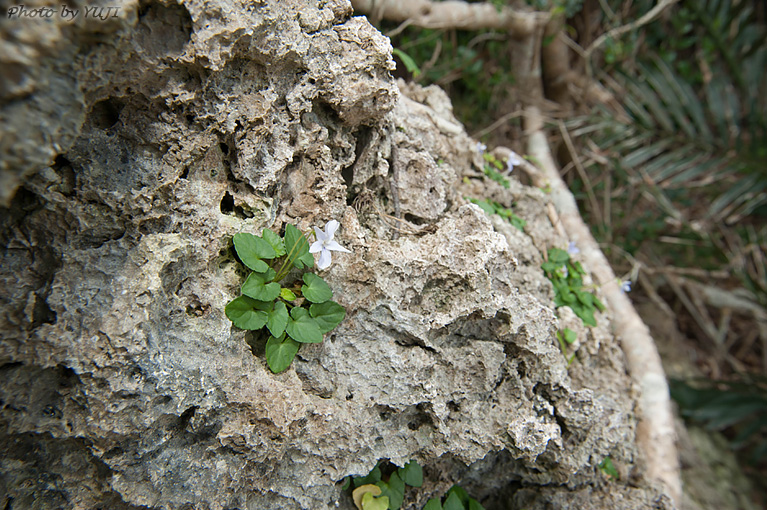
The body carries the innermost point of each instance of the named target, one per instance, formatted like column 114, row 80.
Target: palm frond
column 682, row 140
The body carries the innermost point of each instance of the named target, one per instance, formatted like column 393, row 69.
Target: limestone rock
column 141, row 144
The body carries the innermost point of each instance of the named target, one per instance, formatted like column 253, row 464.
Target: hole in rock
column 227, row 203
column 106, row 113
column 41, row 312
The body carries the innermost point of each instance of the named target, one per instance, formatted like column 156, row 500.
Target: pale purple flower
column 572, row 249
column 563, row 272
column 481, row 148
column 626, row 286
column 325, row 244
column 514, row 160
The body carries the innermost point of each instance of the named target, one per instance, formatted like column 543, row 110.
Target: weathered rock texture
column 134, row 148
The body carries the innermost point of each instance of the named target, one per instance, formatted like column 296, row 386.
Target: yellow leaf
column 361, row 491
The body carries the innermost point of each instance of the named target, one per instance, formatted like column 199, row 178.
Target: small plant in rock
column 455, row 499
column 566, row 337
column 492, row 207
column 608, row 468
column 493, row 168
column 567, row 277
column 384, row 489
column 287, row 308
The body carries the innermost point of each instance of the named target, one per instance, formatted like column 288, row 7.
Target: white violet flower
column 514, row 160
column 481, row 148
column 325, row 244
column 572, row 249
column 626, row 286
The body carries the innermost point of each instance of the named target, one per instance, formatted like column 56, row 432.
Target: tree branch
column 618, row 31
column 455, row 14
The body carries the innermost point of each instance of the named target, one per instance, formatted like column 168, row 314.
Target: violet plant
column 288, row 308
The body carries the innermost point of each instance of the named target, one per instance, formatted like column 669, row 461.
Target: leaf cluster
column 456, row 499
column 720, row 405
column 384, row 489
column 566, row 276
column 381, row 491
column 492, row 207
column 493, row 168
column 290, row 313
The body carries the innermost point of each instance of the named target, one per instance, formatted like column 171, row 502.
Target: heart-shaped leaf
column 370, row 502
column 369, row 479
column 453, row 502
column 363, row 490
column 259, row 286
column 475, row 505
column 459, row 491
column 297, row 248
column 287, row 295
column 246, row 313
column 278, row 319
column 411, row 474
column 558, row 256
column 274, row 241
column 328, row 315
column 315, row 290
column 280, row 352
column 394, row 490
column 302, row 327
column 251, row 249
column 433, row 504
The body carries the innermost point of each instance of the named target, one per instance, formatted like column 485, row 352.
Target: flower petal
column 324, row 261
column 316, row 246
column 332, row 245
column 330, row 228
column 320, row 234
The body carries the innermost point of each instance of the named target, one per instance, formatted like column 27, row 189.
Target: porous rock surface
column 139, row 145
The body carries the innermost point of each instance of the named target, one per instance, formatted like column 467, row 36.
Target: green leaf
column 586, row 298
column 251, row 249
column 433, row 504
column 461, row 493
column 372, row 478
column 280, row 352
column 278, row 319
column 411, row 474
column 474, row 505
column 287, row 295
column 275, row 241
column 246, row 313
column 558, row 256
column 608, row 468
column 302, row 327
column 328, row 315
column 569, row 335
column 297, row 248
column 586, row 315
column 370, row 502
column 406, row 59
column 394, row 490
column 258, row 287
column 599, row 305
column 315, row 290
column 550, row 267
column 453, row 502
column 484, row 205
